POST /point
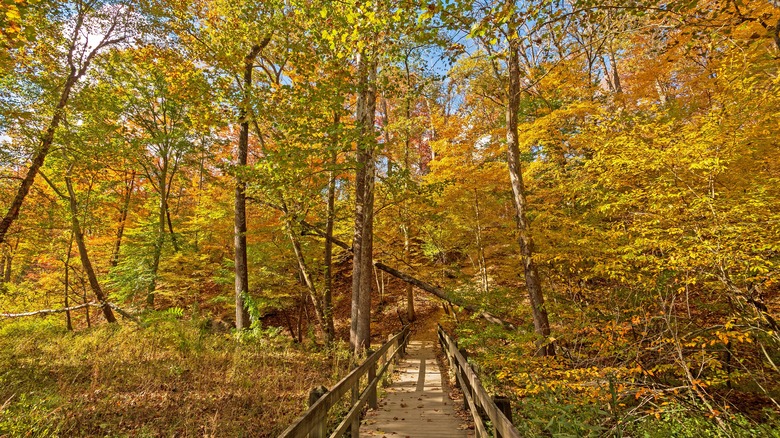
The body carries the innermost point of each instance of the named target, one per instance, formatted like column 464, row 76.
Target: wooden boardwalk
column 416, row 404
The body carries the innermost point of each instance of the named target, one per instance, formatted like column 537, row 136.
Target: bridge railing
column 476, row 399
column 313, row 422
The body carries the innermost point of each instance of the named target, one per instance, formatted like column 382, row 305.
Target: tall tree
column 88, row 18
column 86, row 263
column 499, row 32
column 70, row 197
column 232, row 43
column 241, row 264
column 363, row 239
column 162, row 101
column 532, row 281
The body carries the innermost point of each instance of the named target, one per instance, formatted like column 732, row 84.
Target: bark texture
column 330, row 330
column 68, row 322
column 360, row 330
column 162, row 182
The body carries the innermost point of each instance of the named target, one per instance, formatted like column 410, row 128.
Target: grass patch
column 172, row 378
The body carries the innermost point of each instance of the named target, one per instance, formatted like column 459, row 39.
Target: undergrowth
column 558, row 397
column 173, row 377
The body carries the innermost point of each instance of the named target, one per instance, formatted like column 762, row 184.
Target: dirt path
column 416, row 404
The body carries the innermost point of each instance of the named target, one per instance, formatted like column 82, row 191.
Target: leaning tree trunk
column 78, row 236
column 360, row 330
column 532, row 281
column 305, row 274
column 439, row 292
column 40, row 156
column 74, row 74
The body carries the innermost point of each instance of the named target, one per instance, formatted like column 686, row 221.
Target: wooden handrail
column 312, row 422
column 476, row 398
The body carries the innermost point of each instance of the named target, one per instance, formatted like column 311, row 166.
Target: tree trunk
column 59, row 110
column 441, row 293
column 301, row 306
column 161, row 216
column 201, row 167
column 480, row 245
column 776, row 35
column 532, row 281
column 68, row 323
column 360, row 331
column 174, row 241
column 85, row 262
column 410, row 314
column 240, row 257
column 9, row 258
column 330, row 330
column 615, row 75
column 367, row 259
column 86, row 309
column 303, row 269
column 40, row 156
column 123, row 211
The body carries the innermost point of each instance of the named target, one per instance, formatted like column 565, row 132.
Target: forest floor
column 185, row 376
column 172, row 378
column 179, row 375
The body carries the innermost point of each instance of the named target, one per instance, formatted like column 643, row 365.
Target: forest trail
column 416, row 404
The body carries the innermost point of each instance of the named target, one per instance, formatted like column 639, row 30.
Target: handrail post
column 315, row 394
column 464, row 374
column 405, row 340
column 475, row 368
column 354, row 429
column 504, row 405
column 388, row 355
column 372, row 398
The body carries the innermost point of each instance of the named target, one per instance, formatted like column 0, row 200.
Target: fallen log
column 125, row 314
column 439, row 292
column 122, row 312
column 49, row 311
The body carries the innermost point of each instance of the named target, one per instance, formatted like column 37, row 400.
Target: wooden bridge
column 416, row 404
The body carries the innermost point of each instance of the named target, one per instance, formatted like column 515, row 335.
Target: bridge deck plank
column 416, row 404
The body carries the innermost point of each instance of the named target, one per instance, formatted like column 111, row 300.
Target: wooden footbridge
column 415, row 404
